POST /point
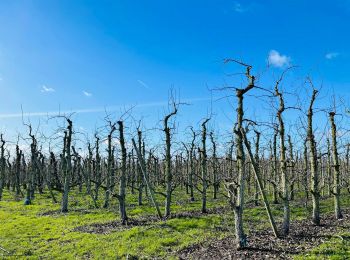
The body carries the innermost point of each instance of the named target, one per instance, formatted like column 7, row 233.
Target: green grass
column 336, row 248
column 27, row 232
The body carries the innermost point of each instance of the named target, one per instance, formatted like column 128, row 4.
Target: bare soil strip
column 303, row 237
column 108, row 227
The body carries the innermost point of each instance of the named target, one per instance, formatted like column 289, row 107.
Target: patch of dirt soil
column 304, row 236
column 196, row 213
column 108, row 227
column 58, row 212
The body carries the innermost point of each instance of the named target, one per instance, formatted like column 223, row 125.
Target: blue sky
column 90, row 55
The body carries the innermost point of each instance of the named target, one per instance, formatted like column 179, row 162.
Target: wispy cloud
column 277, row 60
column 55, row 113
column 238, row 7
column 331, row 55
column 95, row 110
column 87, row 94
column 142, row 83
column 45, row 89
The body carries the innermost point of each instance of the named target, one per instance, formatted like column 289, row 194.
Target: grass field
column 41, row 231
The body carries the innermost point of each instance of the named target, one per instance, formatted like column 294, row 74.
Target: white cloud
column 47, row 89
column 143, row 84
column 87, row 94
column 331, row 55
column 277, row 60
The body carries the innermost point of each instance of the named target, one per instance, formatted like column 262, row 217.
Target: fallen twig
column 3, row 249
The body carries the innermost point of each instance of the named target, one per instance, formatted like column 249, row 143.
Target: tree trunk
column 283, row 165
column 168, row 170
column 336, row 169
column 122, row 187
column 204, row 166
column 139, row 170
column 315, row 193
column 109, row 174
column 68, row 168
column 2, row 165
